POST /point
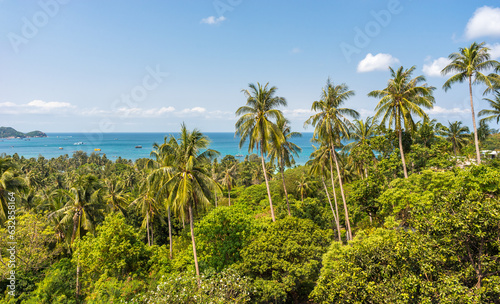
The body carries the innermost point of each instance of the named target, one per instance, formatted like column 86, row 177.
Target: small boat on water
column 138, row 147
column 61, row 148
column 97, row 149
column 78, row 143
column 239, row 155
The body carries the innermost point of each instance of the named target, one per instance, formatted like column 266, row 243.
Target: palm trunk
column 229, row 194
column 147, row 228
column 400, row 135
column 215, row 192
column 331, row 207
column 169, row 231
column 284, row 185
column 194, row 246
column 77, row 291
column 348, row 225
column 335, row 199
column 267, row 182
column 286, row 192
column 476, row 141
column 76, row 220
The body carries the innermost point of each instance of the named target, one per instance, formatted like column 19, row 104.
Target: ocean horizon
column 123, row 144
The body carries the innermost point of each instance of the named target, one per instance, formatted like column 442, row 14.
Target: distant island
column 6, row 132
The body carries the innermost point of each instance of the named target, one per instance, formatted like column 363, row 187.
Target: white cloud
column 7, row 104
column 36, row 107
column 139, row 112
column 439, row 110
column 220, row 115
column 49, row 105
column 494, row 50
column 434, row 68
column 196, row 110
column 484, row 22
column 296, row 50
column 379, row 62
column 298, row 113
column 212, row 20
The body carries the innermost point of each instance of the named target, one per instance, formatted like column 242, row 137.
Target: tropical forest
column 391, row 208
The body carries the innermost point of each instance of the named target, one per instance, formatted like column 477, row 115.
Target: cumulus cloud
column 7, row 104
column 213, row 20
column 379, row 62
column 139, row 112
column 484, row 22
column 439, row 110
column 296, row 50
column 434, row 68
column 36, row 107
column 40, row 104
column 196, row 110
column 494, row 50
column 298, row 113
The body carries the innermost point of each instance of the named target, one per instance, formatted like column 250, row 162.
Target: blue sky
column 147, row 66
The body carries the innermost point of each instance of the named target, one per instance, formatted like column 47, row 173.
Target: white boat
column 78, row 143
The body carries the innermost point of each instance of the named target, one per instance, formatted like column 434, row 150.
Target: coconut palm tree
column 456, row 134
column 164, row 158
column 191, row 186
column 468, row 64
column 283, row 154
column 228, row 179
column 425, row 131
column 10, row 182
column 402, row 98
column 149, row 207
column 303, row 187
column 214, row 169
column 114, row 195
column 257, row 124
column 320, row 160
column 84, row 206
column 361, row 132
column 494, row 112
column 331, row 124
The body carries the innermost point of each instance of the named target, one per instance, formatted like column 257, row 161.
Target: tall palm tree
column 283, row 154
column 303, row 187
column 149, row 207
column 84, row 206
column 456, row 134
column 164, row 158
column 361, row 132
column 494, row 112
column 257, row 124
column 115, row 195
column 191, row 186
column 403, row 97
column 215, row 176
column 425, row 130
column 228, row 178
column 468, row 65
column 320, row 160
column 331, row 124
column 10, row 181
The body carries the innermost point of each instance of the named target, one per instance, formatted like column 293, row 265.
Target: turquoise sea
column 124, row 145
